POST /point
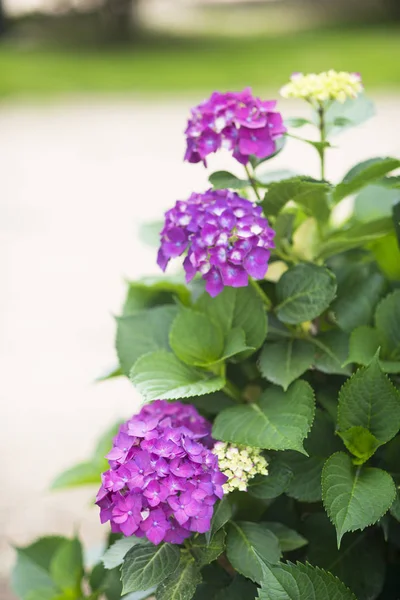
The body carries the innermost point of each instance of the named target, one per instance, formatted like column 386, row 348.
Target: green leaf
column 354, row 497
column 283, row 362
column 297, row 122
column 360, row 562
column 364, row 344
column 211, row 404
column 195, row 339
column 107, row 582
column 305, row 483
column 280, row 421
column 387, row 322
column 239, row 589
column 43, row 594
column 289, row 539
column 222, row 514
column 115, row 554
column 267, row 487
column 237, row 308
column 246, row 542
column 88, row 473
column 66, row 567
column 332, row 349
column 364, row 173
column 375, row 202
column 395, row 508
column 355, row 236
column 154, row 291
column 223, row 179
column 205, row 552
column 149, row 233
column 182, row 583
column 304, row 292
column 354, row 111
column 358, row 295
column 301, row 582
column 143, row 332
column 269, row 176
column 396, row 221
column 368, row 399
column 360, row 442
column 147, row 565
column 235, row 343
column 32, row 569
column 160, row 375
column 309, row 194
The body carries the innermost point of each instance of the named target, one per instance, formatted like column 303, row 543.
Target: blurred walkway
column 76, row 179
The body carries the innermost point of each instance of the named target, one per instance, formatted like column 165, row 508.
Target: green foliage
column 182, row 583
column 280, row 421
column 311, row 195
column 146, row 565
column 115, row 554
column 154, row 291
column 267, row 487
column 246, row 543
column 387, row 321
column 195, row 339
column 304, row 292
column 289, row 539
column 301, row 582
column 223, row 179
column 354, row 497
column 205, row 552
column 284, row 362
column 363, row 174
column 222, row 514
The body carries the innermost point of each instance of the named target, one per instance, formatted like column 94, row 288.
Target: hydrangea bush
column 265, row 460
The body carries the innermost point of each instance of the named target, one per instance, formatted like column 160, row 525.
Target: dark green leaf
column 280, row 421
column 223, row 179
column 368, row 399
column 360, row 562
column 143, row 332
column 396, row 221
column 66, row 567
column 147, row 565
column 387, row 321
column 237, row 308
column 222, row 514
column 364, row 344
column 154, row 291
column 239, row 589
column 375, row 202
column 354, row 497
column 235, row 343
column 283, row 362
column 205, row 552
column 289, row 539
column 107, row 582
column 355, row 236
column 246, row 542
column 304, row 292
column 305, row 484
column 301, row 582
column 195, row 338
column 160, row 375
column 309, row 194
column 182, row 583
column 395, row 508
column 212, row 403
column 364, row 173
column 332, row 349
column 267, row 487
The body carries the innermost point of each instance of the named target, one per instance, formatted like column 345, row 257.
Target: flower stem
column 261, row 294
column 233, row 391
column 322, row 130
column 252, row 180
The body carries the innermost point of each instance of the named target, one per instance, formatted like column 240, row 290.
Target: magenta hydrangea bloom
column 226, row 237
column 236, row 121
column 163, row 479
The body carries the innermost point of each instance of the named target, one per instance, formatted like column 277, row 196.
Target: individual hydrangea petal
column 226, row 237
column 222, row 122
column 158, row 479
column 322, row 87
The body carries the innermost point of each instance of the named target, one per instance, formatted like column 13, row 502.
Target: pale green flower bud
column 329, row 85
column 239, row 464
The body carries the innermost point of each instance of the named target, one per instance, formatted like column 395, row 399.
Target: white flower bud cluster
column 239, row 464
column 329, row 85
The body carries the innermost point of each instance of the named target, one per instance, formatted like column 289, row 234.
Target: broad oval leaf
column 223, row 179
column 280, row 421
column 205, row 552
column 301, row 582
column 182, row 583
column 267, row 487
column 304, row 292
column 160, row 375
column 354, row 497
column 363, row 174
column 387, row 322
column 357, row 235
column 115, row 554
column 155, row 291
column 309, row 194
column 368, row 399
column 66, row 567
column 195, row 339
column 283, row 362
column 147, row 565
column 332, row 348
column 289, row 539
column 143, row 332
column 364, row 344
column 222, row 513
column 246, row 542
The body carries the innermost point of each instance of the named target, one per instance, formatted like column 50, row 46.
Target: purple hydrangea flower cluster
column 236, row 121
column 226, row 236
column 163, row 479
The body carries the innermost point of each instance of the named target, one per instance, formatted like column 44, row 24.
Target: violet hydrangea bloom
column 163, row 479
column 226, row 237
column 236, row 121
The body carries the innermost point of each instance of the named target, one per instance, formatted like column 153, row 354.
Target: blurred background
column 94, row 95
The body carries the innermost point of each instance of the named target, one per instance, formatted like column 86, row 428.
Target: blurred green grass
column 198, row 64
